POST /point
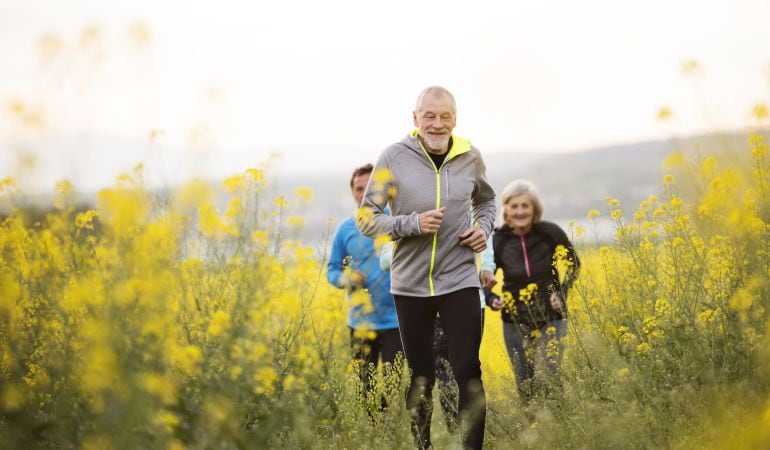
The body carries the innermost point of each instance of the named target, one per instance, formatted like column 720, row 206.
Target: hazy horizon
column 77, row 158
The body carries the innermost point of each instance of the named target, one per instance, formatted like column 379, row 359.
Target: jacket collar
column 459, row 145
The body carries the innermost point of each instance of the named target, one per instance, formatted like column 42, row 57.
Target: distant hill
column 571, row 184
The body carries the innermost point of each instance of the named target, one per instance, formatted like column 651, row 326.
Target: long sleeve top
column 351, row 249
column 408, row 180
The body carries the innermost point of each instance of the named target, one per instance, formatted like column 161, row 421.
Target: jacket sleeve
column 488, row 257
column 335, row 267
column 371, row 217
column 483, row 199
column 386, row 256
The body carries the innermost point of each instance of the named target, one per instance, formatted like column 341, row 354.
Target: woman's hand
column 556, row 302
column 496, row 304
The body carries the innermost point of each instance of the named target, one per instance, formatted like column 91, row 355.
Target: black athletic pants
column 368, row 346
column 460, row 317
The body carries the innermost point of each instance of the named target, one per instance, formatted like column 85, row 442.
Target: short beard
column 437, row 144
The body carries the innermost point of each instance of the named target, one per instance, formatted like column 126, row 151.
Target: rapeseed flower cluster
column 679, row 299
column 152, row 324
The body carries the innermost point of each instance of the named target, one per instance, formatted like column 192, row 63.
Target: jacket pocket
column 456, row 188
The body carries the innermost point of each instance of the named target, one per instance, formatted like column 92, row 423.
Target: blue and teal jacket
column 351, row 249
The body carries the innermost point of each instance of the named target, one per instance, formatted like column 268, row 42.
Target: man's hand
column 430, row 221
column 488, row 280
column 475, row 238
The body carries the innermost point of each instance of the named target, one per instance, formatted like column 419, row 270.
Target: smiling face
column 358, row 187
column 435, row 120
column 519, row 213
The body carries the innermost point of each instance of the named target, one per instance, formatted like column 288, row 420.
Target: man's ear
column 414, row 118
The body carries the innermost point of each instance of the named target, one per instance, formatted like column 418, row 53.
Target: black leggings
column 460, row 317
column 447, row 386
column 368, row 346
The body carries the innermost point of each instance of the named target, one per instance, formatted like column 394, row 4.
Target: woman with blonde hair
column 533, row 306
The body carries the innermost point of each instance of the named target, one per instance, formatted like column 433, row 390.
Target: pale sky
column 330, row 83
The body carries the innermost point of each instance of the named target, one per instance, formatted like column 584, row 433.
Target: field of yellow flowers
column 162, row 322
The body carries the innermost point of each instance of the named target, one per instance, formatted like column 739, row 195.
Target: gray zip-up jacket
column 406, row 178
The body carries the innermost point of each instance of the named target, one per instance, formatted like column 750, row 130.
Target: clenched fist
column 475, row 238
column 430, row 221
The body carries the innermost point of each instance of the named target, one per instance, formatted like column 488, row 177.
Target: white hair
column 435, row 91
column 516, row 188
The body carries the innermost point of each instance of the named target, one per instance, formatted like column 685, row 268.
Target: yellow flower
column 193, row 194
column 665, row 113
column 209, row 222
column 256, row 175
column 159, row 385
column 381, row 240
column 304, row 194
column 234, row 183
column 258, row 352
column 662, row 307
column 235, row 372
column 123, row 209
column 674, row 159
column 527, row 294
column 758, row 146
column 85, row 220
column 166, row 420
column 64, row 194
column 382, row 175
column 260, row 237
column 623, row 373
column 612, row 202
column 741, row 300
column 289, row 382
column 709, row 167
column 188, row 359
column 234, row 208
column 363, row 215
column 219, row 322
column 759, row 111
column 708, row 317
column 265, row 378
column 649, row 325
column 295, row 222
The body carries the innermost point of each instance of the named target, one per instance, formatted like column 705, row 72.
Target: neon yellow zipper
column 438, row 205
column 459, row 146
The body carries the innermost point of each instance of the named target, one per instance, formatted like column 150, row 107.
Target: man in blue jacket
column 355, row 266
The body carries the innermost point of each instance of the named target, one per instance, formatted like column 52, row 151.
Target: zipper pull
column 446, row 177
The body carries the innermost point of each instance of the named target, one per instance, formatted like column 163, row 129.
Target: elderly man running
column 433, row 182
